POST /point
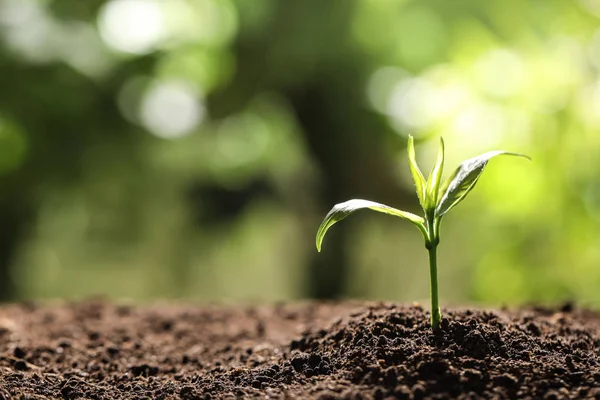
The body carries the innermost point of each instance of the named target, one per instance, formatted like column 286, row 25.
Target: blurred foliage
column 190, row 148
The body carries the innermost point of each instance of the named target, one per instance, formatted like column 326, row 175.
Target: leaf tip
column 520, row 155
column 319, row 241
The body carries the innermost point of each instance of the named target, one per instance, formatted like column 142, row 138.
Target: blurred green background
column 190, row 148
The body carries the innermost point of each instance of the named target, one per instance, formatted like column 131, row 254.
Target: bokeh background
column 190, row 148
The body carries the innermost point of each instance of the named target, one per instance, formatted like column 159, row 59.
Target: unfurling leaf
column 418, row 178
column 342, row 210
column 462, row 181
column 435, row 177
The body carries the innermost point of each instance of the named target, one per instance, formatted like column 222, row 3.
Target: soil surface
column 348, row 350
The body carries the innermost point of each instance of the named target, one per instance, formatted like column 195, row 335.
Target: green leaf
column 463, row 180
column 418, row 178
column 435, row 177
column 342, row 210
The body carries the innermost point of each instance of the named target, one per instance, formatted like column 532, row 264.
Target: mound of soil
column 348, row 350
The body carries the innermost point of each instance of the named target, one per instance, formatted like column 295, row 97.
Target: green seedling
column 436, row 200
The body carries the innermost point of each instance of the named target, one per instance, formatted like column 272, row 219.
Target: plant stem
column 436, row 315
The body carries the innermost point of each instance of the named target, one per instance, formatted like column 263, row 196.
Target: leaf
column 463, row 180
column 342, row 210
column 435, row 177
column 418, row 178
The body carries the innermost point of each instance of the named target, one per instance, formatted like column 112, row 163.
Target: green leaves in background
column 342, row 210
column 464, row 178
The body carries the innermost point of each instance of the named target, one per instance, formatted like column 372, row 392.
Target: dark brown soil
column 96, row 350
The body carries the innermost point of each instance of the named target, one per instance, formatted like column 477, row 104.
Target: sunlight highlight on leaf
column 418, row 178
column 464, row 178
column 435, row 177
column 342, row 210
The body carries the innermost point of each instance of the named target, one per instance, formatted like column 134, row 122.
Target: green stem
column 436, row 315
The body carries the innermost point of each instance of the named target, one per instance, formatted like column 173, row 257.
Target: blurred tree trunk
column 324, row 80
column 13, row 221
column 354, row 162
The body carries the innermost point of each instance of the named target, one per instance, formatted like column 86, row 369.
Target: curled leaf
column 418, row 178
column 464, row 178
column 342, row 210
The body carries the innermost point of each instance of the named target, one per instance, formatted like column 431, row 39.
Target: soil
column 346, row 350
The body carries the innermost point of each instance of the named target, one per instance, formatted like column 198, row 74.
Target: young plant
column 435, row 199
